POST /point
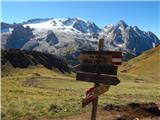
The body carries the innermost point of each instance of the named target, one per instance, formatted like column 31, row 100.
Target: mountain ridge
column 72, row 35
column 16, row 58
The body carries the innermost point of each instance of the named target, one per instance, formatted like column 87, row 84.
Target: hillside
column 146, row 66
column 31, row 90
column 15, row 58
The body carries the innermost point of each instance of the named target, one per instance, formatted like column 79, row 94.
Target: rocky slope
column 129, row 38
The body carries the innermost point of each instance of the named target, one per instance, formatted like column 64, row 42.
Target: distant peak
column 137, row 29
column 37, row 20
column 150, row 33
column 109, row 26
column 78, row 18
column 122, row 24
column 90, row 22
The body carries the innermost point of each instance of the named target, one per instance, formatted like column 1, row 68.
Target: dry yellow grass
column 145, row 66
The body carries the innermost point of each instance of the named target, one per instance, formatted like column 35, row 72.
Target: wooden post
column 94, row 105
column 101, row 44
column 96, row 84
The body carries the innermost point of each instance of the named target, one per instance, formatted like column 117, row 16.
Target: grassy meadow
column 38, row 93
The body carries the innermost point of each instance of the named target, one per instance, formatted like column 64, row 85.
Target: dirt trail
column 131, row 111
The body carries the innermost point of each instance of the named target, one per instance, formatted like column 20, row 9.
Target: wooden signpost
column 99, row 67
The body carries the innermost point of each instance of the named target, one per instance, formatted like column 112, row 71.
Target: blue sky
column 145, row 15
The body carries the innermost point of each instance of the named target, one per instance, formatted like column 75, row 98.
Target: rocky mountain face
column 51, row 38
column 5, row 27
column 20, row 35
column 69, row 36
column 129, row 38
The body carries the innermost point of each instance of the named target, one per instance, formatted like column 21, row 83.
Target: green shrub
column 54, row 108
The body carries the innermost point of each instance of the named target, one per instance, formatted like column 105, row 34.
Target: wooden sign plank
column 99, row 68
column 94, row 92
column 105, row 57
column 76, row 68
column 89, row 97
column 116, row 60
column 90, row 77
column 96, row 58
column 86, row 102
column 112, row 53
column 100, row 90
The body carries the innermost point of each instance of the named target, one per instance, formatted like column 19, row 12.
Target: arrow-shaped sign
column 94, row 92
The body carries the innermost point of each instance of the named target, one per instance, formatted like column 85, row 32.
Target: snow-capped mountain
column 69, row 36
column 129, row 38
column 65, row 24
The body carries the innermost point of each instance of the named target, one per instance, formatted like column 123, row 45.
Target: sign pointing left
column 94, row 92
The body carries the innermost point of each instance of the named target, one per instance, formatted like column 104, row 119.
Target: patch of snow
column 153, row 44
column 9, row 30
column 53, row 24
